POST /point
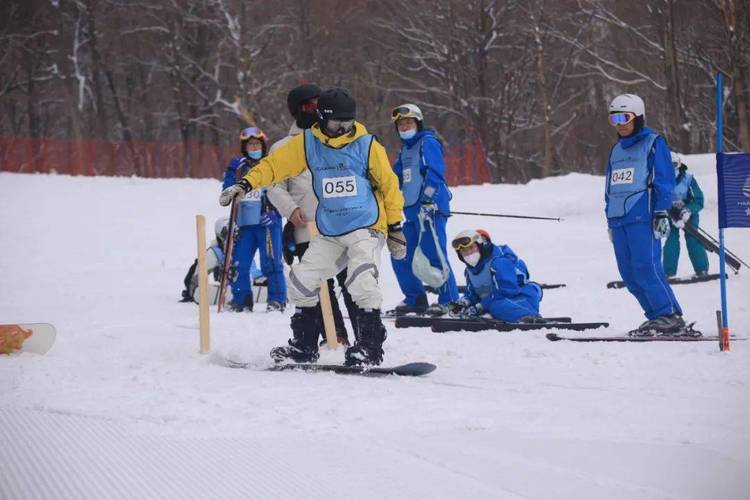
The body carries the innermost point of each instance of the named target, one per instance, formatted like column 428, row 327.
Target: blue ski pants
column 258, row 238
column 410, row 285
column 507, row 309
column 638, row 256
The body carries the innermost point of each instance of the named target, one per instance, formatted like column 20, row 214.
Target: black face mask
column 306, row 120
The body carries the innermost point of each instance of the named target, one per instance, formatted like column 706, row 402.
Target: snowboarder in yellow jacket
column 360, row 209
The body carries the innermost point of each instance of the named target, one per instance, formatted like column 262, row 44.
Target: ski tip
column 553, row 337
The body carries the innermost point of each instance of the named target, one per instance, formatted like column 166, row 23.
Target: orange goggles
column 462, row 243
column 621, row 118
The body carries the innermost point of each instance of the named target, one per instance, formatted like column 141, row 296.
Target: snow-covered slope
column 123, row 406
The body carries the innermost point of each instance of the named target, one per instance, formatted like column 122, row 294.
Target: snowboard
column 27, row 337
column 416, row 369
column 674, row 281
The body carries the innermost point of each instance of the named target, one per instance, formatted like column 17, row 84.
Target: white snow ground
column 123, row 406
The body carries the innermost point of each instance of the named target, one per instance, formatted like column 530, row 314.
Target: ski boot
column 437, row 310
column 369, row 338
column 306, row 323
column 247, row 305
column 663, row 325
column 403, row 308
column 274, row 306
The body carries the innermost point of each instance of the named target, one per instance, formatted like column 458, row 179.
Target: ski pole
column 481, row 214
column 713, row 240
column 228, row 248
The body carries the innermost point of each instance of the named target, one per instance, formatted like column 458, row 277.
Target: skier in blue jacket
column 421, row 173
column 497, row 281
column 639, row 184
column 259, row 229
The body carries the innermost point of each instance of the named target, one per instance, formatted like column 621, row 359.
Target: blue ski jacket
column 432, row 169
column 506, row 277
column 661, row 181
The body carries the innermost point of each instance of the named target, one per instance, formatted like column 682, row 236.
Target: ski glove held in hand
column 660, row 224
column 396, row 241
column 242, row 187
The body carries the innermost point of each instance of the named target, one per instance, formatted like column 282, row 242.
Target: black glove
column 675, row 213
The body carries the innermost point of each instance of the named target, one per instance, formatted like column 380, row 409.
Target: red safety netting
column 465, row 163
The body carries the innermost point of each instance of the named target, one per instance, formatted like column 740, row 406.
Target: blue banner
column 733, row 170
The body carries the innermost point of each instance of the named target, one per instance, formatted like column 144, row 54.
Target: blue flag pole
column 724, row 334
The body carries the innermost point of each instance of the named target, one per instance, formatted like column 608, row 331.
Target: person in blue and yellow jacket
column 259, row 230
column 497, row 281
column 359, row 209
column 638, row 196
column 687, row 201
column 420, row 168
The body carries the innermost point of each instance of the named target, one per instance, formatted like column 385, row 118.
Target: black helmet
column 336, row 105
column 300, row 94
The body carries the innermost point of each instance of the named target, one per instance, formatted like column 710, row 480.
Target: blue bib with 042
column 345, row 197
column 628, row 176
column 411, row 173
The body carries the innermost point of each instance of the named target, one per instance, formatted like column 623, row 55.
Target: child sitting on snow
column 497, row 281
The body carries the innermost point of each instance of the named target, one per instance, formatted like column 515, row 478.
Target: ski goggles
column 400, row 112
column 252, row 133
column 339, row 126
column 621, row 118
column 309, row 107
column 463, row 243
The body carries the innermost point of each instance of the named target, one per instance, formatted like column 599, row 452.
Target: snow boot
column 672, row 324
column 370, row 335
column 303, row 348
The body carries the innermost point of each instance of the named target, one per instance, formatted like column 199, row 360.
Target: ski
column 27, row 337
column 627, row 338
column 502, row 326
column 462, row 288
column 674, row 281
column 421, row 320
column 416, row 369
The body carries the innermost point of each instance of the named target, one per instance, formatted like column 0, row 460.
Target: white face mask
column 408, row 134
column 472, row 258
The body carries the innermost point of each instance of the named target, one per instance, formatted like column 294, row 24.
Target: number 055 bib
column 628, row 177
column 345, row 197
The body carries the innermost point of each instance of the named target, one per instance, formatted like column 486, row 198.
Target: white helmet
column 676, row 159
column 407, row 111
column 628, row 103
column 467, row 237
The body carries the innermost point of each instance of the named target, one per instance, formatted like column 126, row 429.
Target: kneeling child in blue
column 497, row 281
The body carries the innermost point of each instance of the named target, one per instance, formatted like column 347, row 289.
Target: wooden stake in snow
column 205, row 342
